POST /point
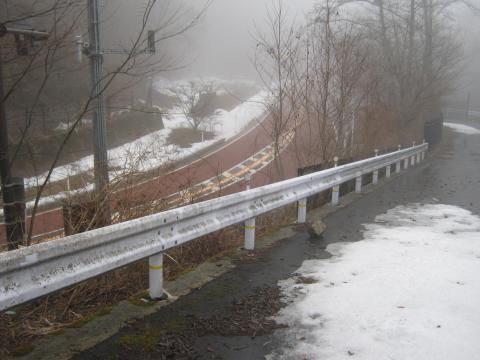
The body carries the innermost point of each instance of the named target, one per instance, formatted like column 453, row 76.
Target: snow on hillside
column 409, row 290
column 152, row 151
column 233, row 122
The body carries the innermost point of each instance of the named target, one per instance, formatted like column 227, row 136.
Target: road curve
column 207, row 166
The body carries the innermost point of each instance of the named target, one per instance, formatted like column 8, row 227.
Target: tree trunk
column 428, row 59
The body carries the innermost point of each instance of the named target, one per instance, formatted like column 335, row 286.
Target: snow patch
column 152, row 151
column 62, row 127
column 232, row 122
column 462, row 129
column 408, row 291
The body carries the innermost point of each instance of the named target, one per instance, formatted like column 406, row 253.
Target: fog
column 222, row 44
column 469, row 80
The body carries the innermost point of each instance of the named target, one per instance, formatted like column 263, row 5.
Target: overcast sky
column 219, row 46
column 223, row 44
column 469, row 81
column 226, row 39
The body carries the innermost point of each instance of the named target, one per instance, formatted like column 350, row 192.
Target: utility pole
column 14, row 210
column 428, row 59
column 95, row 52
column 4, row 158
column 467, row 106
column 100, row 155
column 13, row 193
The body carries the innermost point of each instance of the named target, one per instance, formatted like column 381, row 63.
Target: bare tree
column 348, row 81
column 275, row 57
column 414, row 47
column 52, row 61
column 324, row 85
column 194, row 100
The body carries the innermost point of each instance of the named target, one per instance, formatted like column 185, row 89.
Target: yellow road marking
column 267, row 158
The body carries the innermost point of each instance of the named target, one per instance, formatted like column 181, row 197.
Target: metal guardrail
column 465, row 113
column 32, row 272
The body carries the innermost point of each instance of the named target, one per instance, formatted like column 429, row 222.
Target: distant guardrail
column 462, row 112
column 35, row 271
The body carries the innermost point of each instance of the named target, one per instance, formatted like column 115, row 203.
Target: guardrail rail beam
column 41, row 269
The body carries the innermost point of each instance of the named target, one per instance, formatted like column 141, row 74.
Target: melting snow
column 463, row 129
column 151, row 151
column 409, row 290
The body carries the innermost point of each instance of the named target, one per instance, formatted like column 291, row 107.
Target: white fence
column 41, row 269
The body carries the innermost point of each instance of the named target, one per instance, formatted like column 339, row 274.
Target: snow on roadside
column 143, row 151
column 232, row 122
column 409, row 290
column 462, row 129
column 151, row 151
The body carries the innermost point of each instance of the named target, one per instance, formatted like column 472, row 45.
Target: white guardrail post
column 302, row 211
column 336, row 189
column 423, row 151
column 413, row 156
column 398, row 164
column 419, row 154
column 358, row 183
column 250, row 224
column 375, row 172
column 155, row 277
column 41, row 269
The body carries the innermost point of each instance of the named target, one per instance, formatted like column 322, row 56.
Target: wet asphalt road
column 451, row 176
